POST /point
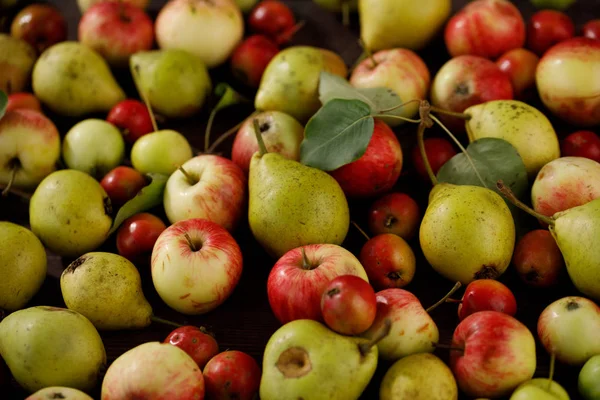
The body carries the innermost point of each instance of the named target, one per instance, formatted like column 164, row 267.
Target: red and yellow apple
column 537, row 259
column 520, row 65
column 487, row 295
column 396, row 213
column 389, row 261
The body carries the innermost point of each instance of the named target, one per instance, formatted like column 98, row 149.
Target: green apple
column 540, row 389
column 93, row 146
column 22, row 265
column 589, row 379
column 160, row 152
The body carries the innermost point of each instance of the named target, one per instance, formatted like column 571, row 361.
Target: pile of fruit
column 323, row 136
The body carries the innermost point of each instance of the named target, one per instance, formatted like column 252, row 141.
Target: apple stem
column 136, row 71
column 369, row 54
column 287, row 35
column 463, row 116
column 364, row 348
column 154, row 318
column 361, row 231
column 453, row 301
column 259, row 138
column 10, row 181
column 187, row 175
column 551, row 375
column 457, row 286
column 305, row 262
column 346, row 13
column 189, row 240
column 389, row 221
column 447, row 347
column 513, row 199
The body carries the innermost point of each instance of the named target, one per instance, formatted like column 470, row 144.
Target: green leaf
column 150, row 196
column 337, row 134
column 3, row 103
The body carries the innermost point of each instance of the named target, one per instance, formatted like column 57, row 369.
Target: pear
column 59, row 392
column 70, row 212
column 107, row 289
column 72, row 79
column 520, row 124
column 419, row 377
column 304, row 359
column 175, row 82
column 17, row 58
column 467, row 232
column 292, row 205
column 50, row 346
column 290, row 83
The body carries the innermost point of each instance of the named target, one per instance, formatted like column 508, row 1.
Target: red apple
column 272, row 18
column 195, row 342
column 498, row 354
column 116, row 30
column 395, row 213
column 40, row 25
column 23, row 100
column 486, row 28
column 547, row 28
column 438, row 150
column 137, row 235
column 487, row 295
column 232, row 375
column 122, row 184
column 299, row 278
column 377, row 170
column 520, row 65
column 251, row 57
column 537, row 259
column 388, row 261
column 581, row 144
column 591, row 29
column 348, row 305
column 132, row 118
column 465, row 81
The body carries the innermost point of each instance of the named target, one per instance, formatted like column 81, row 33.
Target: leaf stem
column 457, row 286
column 421, row 142
column 259, row 138
column 361, row 231
column 463, row 116
column 136, row 72
column 401, row 105
column 513, row 199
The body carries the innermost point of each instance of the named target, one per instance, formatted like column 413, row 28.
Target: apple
column 485, row 28
column 281, row 133
column 132, row 118
column 23, row 100
column 40, row 25
column 210, row 30
column 196, row 264
column 59, row 392
column 196, row 342
column 438, row 151
column 85, row 4
column 232, row 375
column 547, row 28
column 520, row 65
column 299, row 278
column 122, row 184
column 29, row 148
column 272, row 18
column 348, row 305
column 153, row 370
column 207, row 186
column 588, row 382
column 400, row 70
column 540, row 389
column 568, row 328
column 160, row 152
column 388, row 261
column 377, row 170
column 581, row 144
column 492, row 353
column 487, row 295
column 465, row 81
column 251, row 57
column 396, row 213
column 537, row 259
column 93, row 146
column 566, row 82
column 137, row 235
column 591, row 29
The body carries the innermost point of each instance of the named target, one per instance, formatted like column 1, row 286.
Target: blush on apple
column 520, row 65
column 40, row 25
column 23, row 100
column 487, row 295
column 547, row 28
column 251, row 57
column 137, row 235
column 438, row 151
column 232, row 375
column 537, row 259
column 196, row 342
column 132, row 118
column 122, row 184
column 396, row 213
column 591, row 29
column 389, row 261
column 273, row 19
column 581, row 144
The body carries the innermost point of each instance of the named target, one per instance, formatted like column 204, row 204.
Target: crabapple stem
column 360, row 230
column 457, row 286
column 518, row 203
column 154, row 318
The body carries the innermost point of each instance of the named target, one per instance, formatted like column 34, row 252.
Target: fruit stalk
column 361, row 231
column 259, row 138
column 518, row 203
column 136, row 71
column 457, row 286
column 463, row 116
column 154, row 318
column 364, row 348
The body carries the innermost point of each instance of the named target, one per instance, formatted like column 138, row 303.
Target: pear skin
column 17, row 58
column 73, row 80
column 467, row 232
column 292, row 205
column 305, row 360
column 290, row 83
column 107, row 289
column 520, row 124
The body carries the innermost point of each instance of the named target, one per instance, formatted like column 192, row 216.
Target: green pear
column 175, row 81
column 540, row 389
column 70, row 212
column 588, row 381
column 106, row 288
column 160, row 152
column 292, row 205
column 22, row 265
column 305, row 360
column 467, row 232
column 290, row 83
column 49, row 346
column 520, row 124
column 72, row 79
column 420, row 376
column 17, row 58
column 59, row 392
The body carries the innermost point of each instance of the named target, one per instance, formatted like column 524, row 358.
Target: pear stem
column 305, row 262
column 136, row 71
column 259, row 138
column 187, row 175
column 513, row 199
column 10, row 181
column 551, row 375
column 457, row 286
column 346, row 13
column 421, row 142
column 447, row 347
column 154, row 318
column 189, row 240
column 364, row 348
column 463, row 116
column 361, row 231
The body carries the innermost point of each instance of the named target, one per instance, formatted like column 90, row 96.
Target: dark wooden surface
column 245, row 322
